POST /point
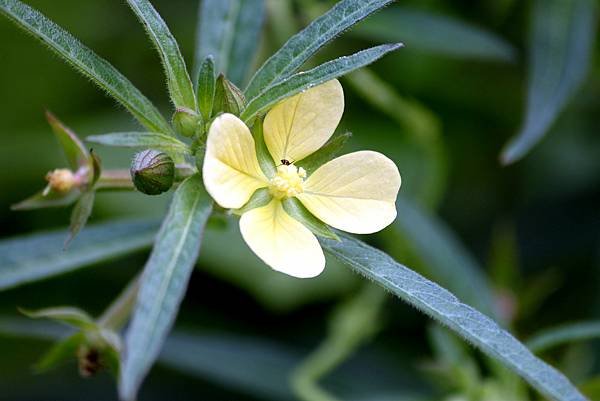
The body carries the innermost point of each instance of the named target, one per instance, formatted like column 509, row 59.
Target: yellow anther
column 288, row 182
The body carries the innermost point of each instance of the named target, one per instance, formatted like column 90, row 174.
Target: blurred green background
column 459, row 92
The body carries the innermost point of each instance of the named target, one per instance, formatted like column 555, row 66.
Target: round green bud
column 186, row 122
column 152, row 172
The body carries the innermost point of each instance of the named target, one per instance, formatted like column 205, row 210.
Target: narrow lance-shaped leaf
column 443, row 258
column 178, row 79
column 86, row 61
column 229, row 31
column 152, row 140
column 440, row 304
column 164, row 282
column 561, row 44
column 40, row 256
column 564, row 334
column 298, row 49
column 318, row 75
column 432, row 33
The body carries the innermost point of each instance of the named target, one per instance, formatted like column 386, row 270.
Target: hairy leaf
column 229, row 31
column 318, row 75
column 560, row 47
column 87, row 62
column 39, row 256
column 296, row 51
column 164, row 282
column 178, row 79
column 151, row 140
column 440, row 304
column 443, row 258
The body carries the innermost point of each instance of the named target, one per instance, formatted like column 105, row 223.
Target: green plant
column 227, row 39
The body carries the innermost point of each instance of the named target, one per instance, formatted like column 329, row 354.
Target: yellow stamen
column 288, row 182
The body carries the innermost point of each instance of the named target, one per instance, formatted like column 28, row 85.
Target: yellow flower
column 354, row 193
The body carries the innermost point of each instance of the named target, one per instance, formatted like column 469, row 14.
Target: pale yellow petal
column 231, row 171
column 282, row 242
column 301, row 124
column 355, row 192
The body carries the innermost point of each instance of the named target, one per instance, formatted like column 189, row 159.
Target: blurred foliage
column 442, row 109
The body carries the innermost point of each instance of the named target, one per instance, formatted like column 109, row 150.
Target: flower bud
column 61, row 180
column 152, row 172
column 228, row 97
column 186, row 122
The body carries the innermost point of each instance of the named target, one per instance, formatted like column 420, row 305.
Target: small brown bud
column 61, row 180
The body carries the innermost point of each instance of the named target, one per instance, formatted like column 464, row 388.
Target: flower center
column 287, row 183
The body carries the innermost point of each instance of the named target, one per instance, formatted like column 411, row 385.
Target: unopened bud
column 61, row 180
column 228, row 97
column 152, row 172
column 186, row 122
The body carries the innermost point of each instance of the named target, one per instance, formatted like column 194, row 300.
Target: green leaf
column 300, row 47
column 570, row 333
column 560, row 47
column 438, row 34
column 60, row 352
column 206, row 87
column 442, row 256
column 229, row 31
column 153, row 140
column 87, row 62
column 164, row 282
column 441, row 305
column 80, row 215
column 77, row 155
column 40, row 256
column 50, row 199
column 318, row 75
column 68, row 315
column 178, row 79
column 296, row 209
column 326, row 153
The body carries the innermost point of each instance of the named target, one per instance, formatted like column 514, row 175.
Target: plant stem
column 353, row 323
column 120, row 179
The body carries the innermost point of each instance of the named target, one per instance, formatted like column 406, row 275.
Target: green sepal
column 68, row 315
column 75, row 152
column 259, row 198
column 60, row 352
column 228, row 97
column 265, row 161
column 296, row 209
column 80, row 215
column 50, row 198
column 206, row 87
column 326, row 153
column 187, row 122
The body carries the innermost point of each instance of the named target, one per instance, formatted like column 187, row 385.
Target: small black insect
column 285, row 162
